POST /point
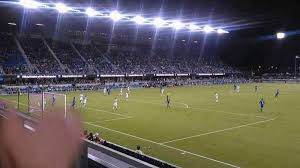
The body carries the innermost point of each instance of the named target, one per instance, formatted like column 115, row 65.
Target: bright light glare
column 177, row 24
column 12, row 24
column 61, row 8
column 193, row 27
column 29, row 4
column 91, row 12
column 208, row 29
column 139, row 19
column 222, row 31
column 115, row 16
column 158, row 22
column 280, row 35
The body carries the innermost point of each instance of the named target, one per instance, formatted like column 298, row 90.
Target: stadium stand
column 97, row 58
column 11, row 59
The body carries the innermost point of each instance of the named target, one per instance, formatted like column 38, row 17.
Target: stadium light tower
column 280, row 35
column 61, row 8
column 31, row 4
column 208, row 29
column 158, row 22
column 139, row 19
column 12, row 24
column 115, row 16
column 177, row 25
column 91, row 12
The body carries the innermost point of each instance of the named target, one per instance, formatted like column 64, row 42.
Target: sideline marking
column 167, row 146
column 222, row 130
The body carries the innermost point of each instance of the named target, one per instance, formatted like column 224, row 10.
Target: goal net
column 39, row 103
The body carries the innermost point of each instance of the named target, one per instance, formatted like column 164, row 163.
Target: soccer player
column 81, row 98
column 256, row 88
column 108, row 91
column 121, row 92
column 261, row 104
column 126, row 96
column 128, row 89
column 53, row 99
column 234, row 87
column 73, row 102
column 168, row 101
column 115, row 104
column 238, row 88
column 84, row 101
column 277, row 93
column 162, row 90
column 217, row 97
column 104, row 91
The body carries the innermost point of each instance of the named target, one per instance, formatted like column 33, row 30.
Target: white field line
column 221, row 130
column 167, row 146
column 104, row 111
column 115, row 119
column 216, row 111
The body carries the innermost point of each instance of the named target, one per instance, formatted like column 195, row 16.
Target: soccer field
column 197, row 131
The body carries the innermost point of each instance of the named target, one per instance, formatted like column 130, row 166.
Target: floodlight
column 40, row 24
column 208, row 29
column 91, row 12
column 115, row 16
column 158, row 22
column 177, row 24
column 29, row 4
column 12, row 24
column 139, row 19
column 280, row 35
column 222, row 31
column 61, row 8
column 193, row 27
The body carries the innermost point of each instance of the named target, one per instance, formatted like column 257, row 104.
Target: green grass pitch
column 196, row 131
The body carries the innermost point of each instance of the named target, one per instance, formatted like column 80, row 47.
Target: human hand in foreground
column 54, row 144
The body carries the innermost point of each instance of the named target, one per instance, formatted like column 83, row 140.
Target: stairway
column 106, row 59
column 1, row 70
column 86, row 62
column 55, row 57
column 20, row 48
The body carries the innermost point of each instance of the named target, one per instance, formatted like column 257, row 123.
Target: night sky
column 252, row 24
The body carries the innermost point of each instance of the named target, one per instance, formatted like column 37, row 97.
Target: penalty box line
column 221, row 130
column 108, row 120
column 164, row 145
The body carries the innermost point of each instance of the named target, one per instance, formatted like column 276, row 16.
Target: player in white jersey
column 121, row 92
column 104, row 91
column 115, row 104
column 238, row 88
column 126, row 96
column 128, row 89
column 84, row 101
column 81, row 98
column 217, row 97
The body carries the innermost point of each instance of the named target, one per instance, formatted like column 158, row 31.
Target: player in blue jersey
column 53, row 99
column 277, row 93
column 168, row 101
column 74, row 102
column 262, row 104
